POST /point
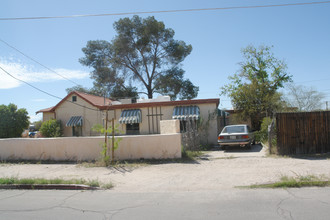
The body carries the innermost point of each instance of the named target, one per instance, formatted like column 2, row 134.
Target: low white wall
column 88, row 148
column 169, row 126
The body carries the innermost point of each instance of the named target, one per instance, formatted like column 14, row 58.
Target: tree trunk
column 149, row 93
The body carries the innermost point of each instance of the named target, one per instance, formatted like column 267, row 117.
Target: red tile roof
column 46, row 110
column 166, row 103
column 96, row 101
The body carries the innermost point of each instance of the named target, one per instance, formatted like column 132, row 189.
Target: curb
column 49, row 187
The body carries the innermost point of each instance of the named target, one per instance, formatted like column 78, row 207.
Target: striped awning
column 130, row 116
column 186, row 112
column 75, row 121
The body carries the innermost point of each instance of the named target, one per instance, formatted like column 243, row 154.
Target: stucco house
column 79, row 112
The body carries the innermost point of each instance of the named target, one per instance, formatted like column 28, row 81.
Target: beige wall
column 169, row 126
column 206, row 110
column 90, row 117
column 47, row 116
column 88, row 148
column 148, row 126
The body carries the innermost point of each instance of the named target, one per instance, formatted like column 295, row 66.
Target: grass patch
column 225, row 158
column 41, row 181
column 295, row 182
column 187, row 157
column 191, row 155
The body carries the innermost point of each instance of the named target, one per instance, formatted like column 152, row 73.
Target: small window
column 74, row 98
column 133, row 128
column 188, row 126
column 76, row 131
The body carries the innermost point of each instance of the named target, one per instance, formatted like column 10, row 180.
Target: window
column 76, row 131
column 74, row 98
column 188, row 126
column 133, row 128
column 234, row 129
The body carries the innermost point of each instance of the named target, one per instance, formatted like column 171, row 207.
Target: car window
column 234, row 129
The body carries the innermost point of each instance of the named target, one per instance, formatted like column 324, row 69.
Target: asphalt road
column 306, row 203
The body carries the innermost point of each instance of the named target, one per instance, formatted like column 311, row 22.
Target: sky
column 300, row 35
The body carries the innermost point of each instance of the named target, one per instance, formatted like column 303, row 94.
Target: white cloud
column 30, row 74
column 34, row 118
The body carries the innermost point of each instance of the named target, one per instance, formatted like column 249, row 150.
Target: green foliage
column 37, row 125
column 262, row 134
column 254, row 89
column 13, row 121
column 51, row 128
column 174, row 85
column 300, row 181
column 143, row 52
column 190, row 155
column 99, row 90
column 40, row 181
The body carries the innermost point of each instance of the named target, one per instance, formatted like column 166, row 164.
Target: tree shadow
column 324, row 156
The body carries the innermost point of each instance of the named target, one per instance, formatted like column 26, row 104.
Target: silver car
column 236, row 135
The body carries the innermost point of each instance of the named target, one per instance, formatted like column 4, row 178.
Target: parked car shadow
column 237, row 149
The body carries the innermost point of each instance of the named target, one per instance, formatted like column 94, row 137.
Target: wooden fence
column 303, row 132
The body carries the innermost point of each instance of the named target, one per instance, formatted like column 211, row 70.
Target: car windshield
column 234, row 129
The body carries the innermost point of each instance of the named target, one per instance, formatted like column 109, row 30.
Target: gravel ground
column 216, row 170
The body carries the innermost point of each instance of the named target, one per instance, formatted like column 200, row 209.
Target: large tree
column 254, row 89
column 143, row 54
column 13, row 121
column 115, row 92
column 304, row 98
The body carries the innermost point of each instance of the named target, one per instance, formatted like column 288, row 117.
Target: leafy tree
column 143, row 52
column 254, row 89
column 80, row 88
column 115, row 92
column 13, row 121
column 37, row 125
column 52, row 128
column 304, row 98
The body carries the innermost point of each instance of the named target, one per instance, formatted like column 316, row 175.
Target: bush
column 37, row 125
column 13, row 121
column 52, row 128
column 262, row 135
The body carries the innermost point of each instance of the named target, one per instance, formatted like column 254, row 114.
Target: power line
column 164, row 11
column 40, row 90
column 37, row 62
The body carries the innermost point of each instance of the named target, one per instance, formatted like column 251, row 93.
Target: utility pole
column 326, row 104
column 113, row 140
column 106, row 133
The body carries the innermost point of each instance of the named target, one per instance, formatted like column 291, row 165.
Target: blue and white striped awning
column 75, row 121
column 130, row 116
column 184, row 113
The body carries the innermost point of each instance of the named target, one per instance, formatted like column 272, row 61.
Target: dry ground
column 216, row 170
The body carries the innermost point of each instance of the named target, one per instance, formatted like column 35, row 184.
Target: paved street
column 307, row 203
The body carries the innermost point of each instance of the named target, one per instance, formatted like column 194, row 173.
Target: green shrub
column 262, row 135
column 51, row 128
column 13, row 121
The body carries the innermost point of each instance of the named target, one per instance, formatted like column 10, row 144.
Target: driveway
column 216, row 170
column 236, row 152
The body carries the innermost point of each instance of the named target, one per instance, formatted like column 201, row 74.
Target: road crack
column 283, row 213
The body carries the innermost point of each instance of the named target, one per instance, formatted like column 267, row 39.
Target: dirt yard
column 216, row 170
